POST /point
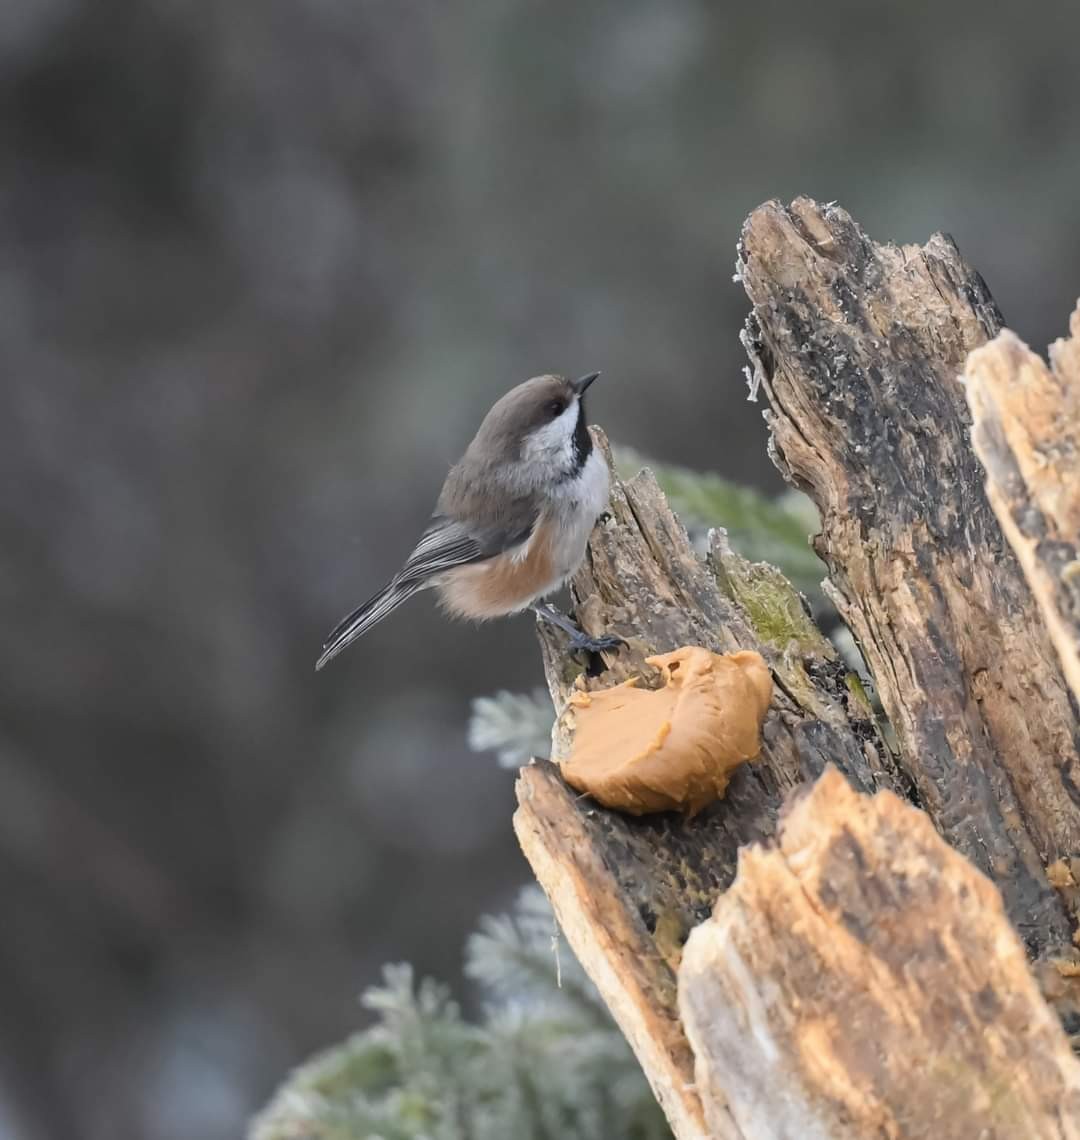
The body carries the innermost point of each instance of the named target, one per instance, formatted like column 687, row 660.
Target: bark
column 859, row 348
column 1027, row 434
column 861, row 979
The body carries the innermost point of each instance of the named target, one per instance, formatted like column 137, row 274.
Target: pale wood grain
column 1027, row 433
column 860, row 979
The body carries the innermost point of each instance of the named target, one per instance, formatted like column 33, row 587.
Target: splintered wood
column 612, row 943
column 860, row 979
column 1027, row 434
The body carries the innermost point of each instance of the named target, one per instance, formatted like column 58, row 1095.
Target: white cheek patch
column 553, row 444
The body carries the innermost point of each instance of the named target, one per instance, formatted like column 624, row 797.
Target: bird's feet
column 580, row 641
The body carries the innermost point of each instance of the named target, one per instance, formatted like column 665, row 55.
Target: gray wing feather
column 445, row 544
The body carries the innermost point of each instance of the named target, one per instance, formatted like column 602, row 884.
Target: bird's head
column 540, row 426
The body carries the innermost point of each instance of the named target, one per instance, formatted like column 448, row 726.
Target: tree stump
column 859, row 348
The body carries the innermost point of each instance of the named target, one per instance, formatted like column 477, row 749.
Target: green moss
column 775, row 614
column 771, row 603
column 858, row 691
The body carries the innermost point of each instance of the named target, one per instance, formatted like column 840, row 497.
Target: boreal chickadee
column 512, row 521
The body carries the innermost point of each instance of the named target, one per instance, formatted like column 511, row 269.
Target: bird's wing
column 448, row 543
column 445, row 544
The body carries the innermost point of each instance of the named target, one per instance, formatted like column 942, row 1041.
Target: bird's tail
column 370, row 613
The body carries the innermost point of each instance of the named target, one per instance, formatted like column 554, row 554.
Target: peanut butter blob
column 673, row 748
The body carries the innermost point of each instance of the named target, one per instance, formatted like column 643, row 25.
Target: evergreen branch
column 760, row 528
column 545, row 1063
column 516, row 726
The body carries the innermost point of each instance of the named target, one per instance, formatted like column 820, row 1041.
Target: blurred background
column 265, row 265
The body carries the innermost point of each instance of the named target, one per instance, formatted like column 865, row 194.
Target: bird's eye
column 555, row 408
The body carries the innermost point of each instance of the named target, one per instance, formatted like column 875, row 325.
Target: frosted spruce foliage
column 515, row 726
column 545, row 1062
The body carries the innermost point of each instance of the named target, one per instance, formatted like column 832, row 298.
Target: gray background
column 265, row 263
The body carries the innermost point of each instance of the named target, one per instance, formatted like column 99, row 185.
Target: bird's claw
column 583, row 643
column 580, row 641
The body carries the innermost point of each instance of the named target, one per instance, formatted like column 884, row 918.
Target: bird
column 512, row 522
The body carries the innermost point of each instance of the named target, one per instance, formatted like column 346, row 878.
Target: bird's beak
column 580, row 385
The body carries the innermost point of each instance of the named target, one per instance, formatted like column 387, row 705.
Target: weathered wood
column 861, row 979
column 662, row 874
column 635, row 981
column 1027, row 434
column 859, row 347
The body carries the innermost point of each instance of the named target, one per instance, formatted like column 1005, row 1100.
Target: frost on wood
column 1027, row 434
column 861, row 979
column 860, row 346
